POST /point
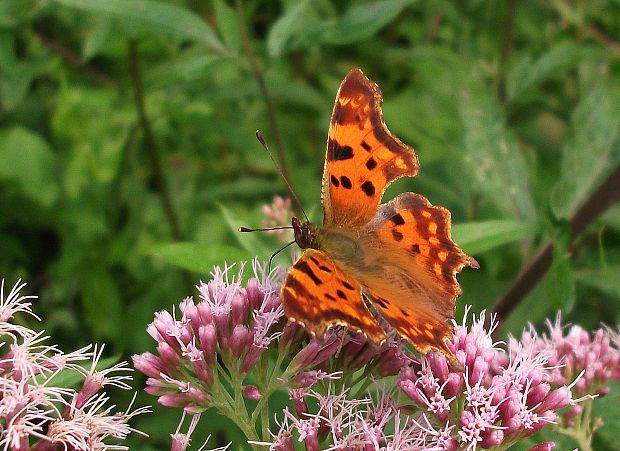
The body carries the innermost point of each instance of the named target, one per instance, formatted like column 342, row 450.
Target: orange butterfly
column 398, row 257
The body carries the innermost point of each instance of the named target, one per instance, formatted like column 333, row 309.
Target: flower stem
column 582, row 429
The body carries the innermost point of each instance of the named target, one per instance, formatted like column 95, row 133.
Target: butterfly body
column 398, row 256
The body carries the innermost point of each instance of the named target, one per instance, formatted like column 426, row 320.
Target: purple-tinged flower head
column 238, row 323
column 591, row 358
column 31, row 407
column 503, row 394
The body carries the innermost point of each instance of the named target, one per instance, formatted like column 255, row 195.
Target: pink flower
column 235, row 343
column 38, row 415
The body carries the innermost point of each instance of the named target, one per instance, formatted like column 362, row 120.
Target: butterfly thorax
column 333, row 241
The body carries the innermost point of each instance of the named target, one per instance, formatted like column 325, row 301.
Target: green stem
column 582, row 429
column 270, row 385
column 262, row 86
column 151, row 150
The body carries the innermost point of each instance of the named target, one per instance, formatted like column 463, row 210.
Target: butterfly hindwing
column 416, row 294
column 362, row 156
column 318, row 293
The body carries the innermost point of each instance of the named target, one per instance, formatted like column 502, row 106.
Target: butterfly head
column 305, row 234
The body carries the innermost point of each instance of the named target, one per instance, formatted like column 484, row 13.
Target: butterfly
column 396, row 258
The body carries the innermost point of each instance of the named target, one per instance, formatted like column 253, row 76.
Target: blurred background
column 128, row 157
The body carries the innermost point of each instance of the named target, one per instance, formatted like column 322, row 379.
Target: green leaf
column 492, row 156
column 160, row 16
column 606, row 408
column 527, row 74
column 198, row 257
column 71, row 378
column 588, row 154
column 184, row 69
column 249, row 241
column 17, row 75
column 603, row 279
column 102, row 301
column 28, row 161
column 97, row 37
column 227, row 24
column 289, row 24
column 363, row 21
column 560, row 280
column 479, row 237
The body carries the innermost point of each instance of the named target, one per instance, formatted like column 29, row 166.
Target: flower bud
column 252, row 392
column 545, row 446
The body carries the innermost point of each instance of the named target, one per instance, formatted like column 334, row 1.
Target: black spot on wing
column 325, row 268
column 306, row 269
column 381, row 302
column 371, row 164
column 347, row 285
column 300, row 290
column 338, row 114
column 397, row 235
column 397, row 219
column 415, row 248
column 336, row 152
column 330, row 297
column 341, row 294
column 346, row 182
column 335, row 181
column 368, row 188
column 366, row 146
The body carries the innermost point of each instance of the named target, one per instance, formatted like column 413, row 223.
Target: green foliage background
column 513, row 107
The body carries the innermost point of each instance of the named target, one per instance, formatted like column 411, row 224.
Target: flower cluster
column 498, row 398
column 236, row 344
column 218, row 351
column 34, row 412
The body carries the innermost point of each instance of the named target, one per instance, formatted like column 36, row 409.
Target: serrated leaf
column 162, row 17
column 28, row 161
column 527, row 74
column 587, row 155
column 289, row 24
column 362, row 21
column 492, row 156
column 198, row 257
column 479, row 237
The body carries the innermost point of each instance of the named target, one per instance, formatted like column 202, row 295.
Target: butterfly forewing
column 362, row 156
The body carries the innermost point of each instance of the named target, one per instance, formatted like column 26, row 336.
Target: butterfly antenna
column 261, row 140
column 266, row 229
column 276, row 253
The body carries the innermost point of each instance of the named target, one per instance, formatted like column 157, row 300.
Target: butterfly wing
column 414, row 286
column 362, row 157
column 318, row 293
